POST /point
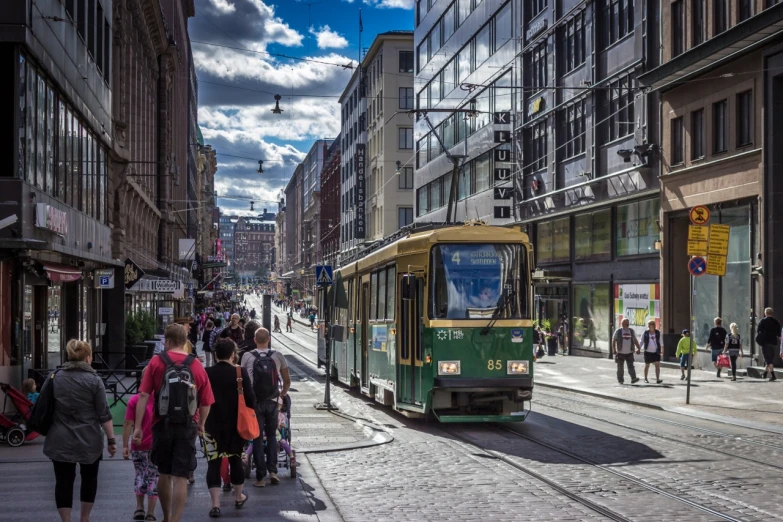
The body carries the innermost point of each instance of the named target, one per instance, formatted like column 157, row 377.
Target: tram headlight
column 449, row 368
column 516, row 367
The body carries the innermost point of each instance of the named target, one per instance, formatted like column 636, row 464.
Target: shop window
column 639, row 303
column 590, row 320
column 592, row 235
column 637, row 228
column 554, row 241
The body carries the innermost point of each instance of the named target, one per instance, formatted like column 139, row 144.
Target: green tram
column 439, row 322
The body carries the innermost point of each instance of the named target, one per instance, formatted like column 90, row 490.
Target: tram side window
column 391, row 292
column 381, row 295
column 373, row 295
column 350, row 301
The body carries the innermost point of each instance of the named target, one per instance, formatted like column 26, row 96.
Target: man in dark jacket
column 768, row 336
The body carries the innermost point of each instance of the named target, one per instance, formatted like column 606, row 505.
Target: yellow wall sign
column 716, row 265
column 719, row 240
column 697, row 248
column 698, row 233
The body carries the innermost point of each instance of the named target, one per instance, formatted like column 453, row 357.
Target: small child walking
column 684, row 351
column 146, row 483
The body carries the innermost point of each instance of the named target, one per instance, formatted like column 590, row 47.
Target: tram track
column 700, row 429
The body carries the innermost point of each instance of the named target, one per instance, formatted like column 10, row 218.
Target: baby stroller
column 286, row 457
column 13, row 429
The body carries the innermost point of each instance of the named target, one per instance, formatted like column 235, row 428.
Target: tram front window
column 471, row 281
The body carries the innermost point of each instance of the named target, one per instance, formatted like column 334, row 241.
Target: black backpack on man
column 265, row 377
column 177, row 400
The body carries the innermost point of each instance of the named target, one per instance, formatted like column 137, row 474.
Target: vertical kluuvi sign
column 359, row 223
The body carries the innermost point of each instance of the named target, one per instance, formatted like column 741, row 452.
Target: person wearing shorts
column 173, row 444
column 652, row 346
column 684, row 351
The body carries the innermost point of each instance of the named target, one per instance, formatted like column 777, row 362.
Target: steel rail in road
column 625, row 476
column 658, row 419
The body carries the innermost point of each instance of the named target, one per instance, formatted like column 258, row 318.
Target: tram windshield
column 479, row 281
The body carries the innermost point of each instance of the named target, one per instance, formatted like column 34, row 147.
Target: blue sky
column 237, row 87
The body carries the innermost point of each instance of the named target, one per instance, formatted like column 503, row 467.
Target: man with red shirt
column 173, row 445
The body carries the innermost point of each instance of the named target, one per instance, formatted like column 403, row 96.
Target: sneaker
column 227, row 488
column 260, row 483
column 634, row 380
column 682, row 377
column 648, row 382
column 659, row 381
column 273, row 478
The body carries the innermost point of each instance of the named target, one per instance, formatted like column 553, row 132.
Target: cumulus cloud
column 223, row 6
column 247, row 22
column 391, row 4
column 328, row 39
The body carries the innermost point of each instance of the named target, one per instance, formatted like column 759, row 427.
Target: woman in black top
column 221, row 439
column 206, row 338
column 734, row 349
column 716, row 342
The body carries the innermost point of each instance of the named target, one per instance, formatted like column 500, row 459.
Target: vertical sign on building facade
column 359, row 195
column 502, row 174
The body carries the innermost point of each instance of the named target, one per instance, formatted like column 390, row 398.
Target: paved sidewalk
column 750, row 402
column 27, row 487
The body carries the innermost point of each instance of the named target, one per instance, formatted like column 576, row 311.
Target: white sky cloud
column 391, row 4
column 328, row 39
column 224, row 6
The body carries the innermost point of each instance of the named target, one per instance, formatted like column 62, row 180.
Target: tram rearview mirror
column 408, row 287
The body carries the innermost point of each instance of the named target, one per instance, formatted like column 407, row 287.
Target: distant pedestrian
column 234, row 331
column 249, row 343
column 206, row 343
column 75, row 437
column 651, row 344
column 221, row 439
column 145, row 483
column 181, row 379
column 277, row 325
column 623, row 342
column 216, row 331
column 289, row 323
column 716, row 342
column 768, row 336
column 733, row 349
column 311, row 318
column 685, row 351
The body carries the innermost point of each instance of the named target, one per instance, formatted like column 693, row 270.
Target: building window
column 636, row 228
column 678, row 28
column 404, row 216
column 719, row 124
column 593, row 235
column 405, row 141
column 481, row 50
column 423, row 200
column 573, row 42
column 554, row 241
column 538, row 67
column 618, row 20
column 448, row 22
column 721, row 16
column 535, row 7
column 744, row 118
column 538, row 146
column 697, row 134
column 423, row 54
column 676, row 139
column 406, row 178
column 697, row 22
column 406, row 97
column 503, row 27
column 744, row 9
column 571, row 130
column 620, row 120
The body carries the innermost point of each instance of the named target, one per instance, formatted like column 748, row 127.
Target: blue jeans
column 266, row 456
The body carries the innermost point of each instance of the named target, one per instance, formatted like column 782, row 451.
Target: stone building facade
column 329, row 242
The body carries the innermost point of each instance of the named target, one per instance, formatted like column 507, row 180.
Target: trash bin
column 551, row 345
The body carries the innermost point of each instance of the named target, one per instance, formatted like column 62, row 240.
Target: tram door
column 410, row 353
column 365, row 332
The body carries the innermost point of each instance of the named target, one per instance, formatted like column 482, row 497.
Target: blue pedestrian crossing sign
column 697, row 266
column 323, row 275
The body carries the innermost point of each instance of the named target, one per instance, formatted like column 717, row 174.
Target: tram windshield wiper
column 505, row 297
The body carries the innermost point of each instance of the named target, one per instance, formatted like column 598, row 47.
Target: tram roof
column 418, row 242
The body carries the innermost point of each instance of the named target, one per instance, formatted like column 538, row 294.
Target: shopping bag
column 247, row 423
column 723, row 361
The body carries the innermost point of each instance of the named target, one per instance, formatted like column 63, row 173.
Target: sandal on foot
column 150, row 518
column 214, row 513
column 239, row 503
column 139, row 514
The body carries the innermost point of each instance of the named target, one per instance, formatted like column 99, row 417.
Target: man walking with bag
column 623, row 342
column 265, row 367
column 183, row 397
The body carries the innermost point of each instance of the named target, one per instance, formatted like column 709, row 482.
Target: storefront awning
column 62, row 273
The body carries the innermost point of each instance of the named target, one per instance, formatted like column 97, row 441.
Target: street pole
column 690, row 346
column 327, row 403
